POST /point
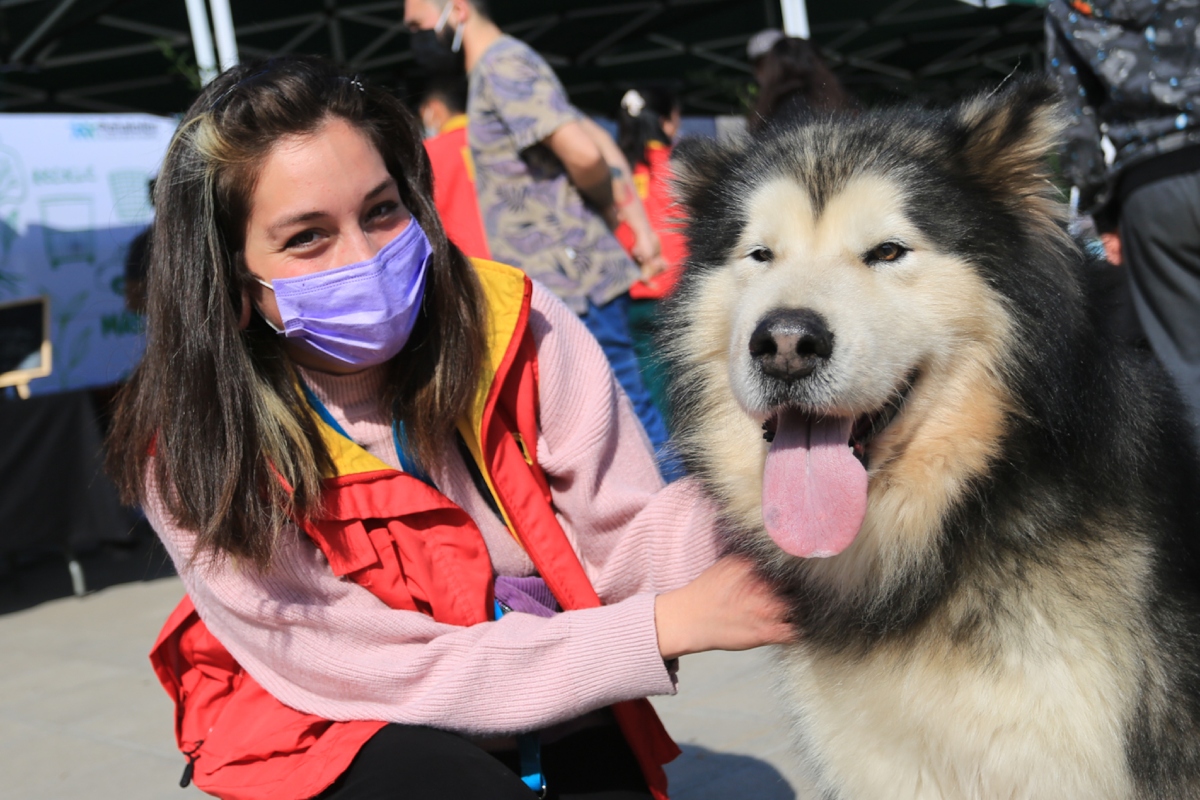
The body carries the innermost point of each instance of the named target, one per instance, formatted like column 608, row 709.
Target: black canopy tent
column 136, row 55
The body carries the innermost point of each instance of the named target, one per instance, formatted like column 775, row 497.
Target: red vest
column 415, row 550
column 454, row 187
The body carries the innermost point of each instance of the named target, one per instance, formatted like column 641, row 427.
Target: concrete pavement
column 82, row 715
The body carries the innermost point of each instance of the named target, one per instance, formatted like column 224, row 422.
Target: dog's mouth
column 815, row 475
column 866, row 427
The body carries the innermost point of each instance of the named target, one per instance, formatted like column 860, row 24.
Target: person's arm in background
column 541, row 113
column 1082, row 157
column 526, row 97
column 647, row 250
column 1112, row 247
column 601, row 173
column 585, row 165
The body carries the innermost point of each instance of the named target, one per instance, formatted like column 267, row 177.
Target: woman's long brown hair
column 213, row 414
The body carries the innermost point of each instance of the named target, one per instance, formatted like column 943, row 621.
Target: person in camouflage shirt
column 535, row 216
column 551, row 185
column 1130, row 73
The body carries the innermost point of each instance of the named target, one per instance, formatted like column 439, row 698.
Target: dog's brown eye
column 762, row 254
column 888, row 251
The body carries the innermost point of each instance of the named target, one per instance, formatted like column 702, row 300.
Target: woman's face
column 322, row 200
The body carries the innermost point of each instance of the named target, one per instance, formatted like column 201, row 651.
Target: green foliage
column 180, row 64
column 728, row 94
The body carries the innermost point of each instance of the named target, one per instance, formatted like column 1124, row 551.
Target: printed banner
column 74, row 191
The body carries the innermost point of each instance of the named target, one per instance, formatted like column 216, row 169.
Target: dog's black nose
column 789, row 343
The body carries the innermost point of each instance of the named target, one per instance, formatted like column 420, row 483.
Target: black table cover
column 53, row 493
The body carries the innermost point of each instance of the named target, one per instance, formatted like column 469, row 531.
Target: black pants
column 1160, row 243
column 404, row 762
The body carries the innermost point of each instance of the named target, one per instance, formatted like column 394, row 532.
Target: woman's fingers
column 728, row 607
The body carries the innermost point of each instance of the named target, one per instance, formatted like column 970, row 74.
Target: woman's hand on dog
column 727, row 607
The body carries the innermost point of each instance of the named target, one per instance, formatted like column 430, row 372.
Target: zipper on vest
column 190, row 769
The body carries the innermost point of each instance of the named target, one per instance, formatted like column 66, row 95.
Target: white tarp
column 73, row 194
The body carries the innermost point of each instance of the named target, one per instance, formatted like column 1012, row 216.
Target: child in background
column 444, row 119
column 646, row 125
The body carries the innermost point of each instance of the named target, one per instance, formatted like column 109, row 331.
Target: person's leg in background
column 609, row 323
column 1160, row 243
column 643, row 325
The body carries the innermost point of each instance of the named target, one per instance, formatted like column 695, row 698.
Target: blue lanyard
column 529, row 745
column 399, row 438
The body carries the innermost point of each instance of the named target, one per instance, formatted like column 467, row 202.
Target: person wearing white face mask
column 444, row 101
column 426, row 548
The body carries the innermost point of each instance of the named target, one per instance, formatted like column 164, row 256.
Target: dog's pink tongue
column 814, row 489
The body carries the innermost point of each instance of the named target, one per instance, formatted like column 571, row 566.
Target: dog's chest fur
column 1035, row 718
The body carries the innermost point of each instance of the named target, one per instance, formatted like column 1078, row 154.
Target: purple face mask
column 361, row 314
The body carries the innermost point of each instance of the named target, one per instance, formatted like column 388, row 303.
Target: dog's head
column 860, row 293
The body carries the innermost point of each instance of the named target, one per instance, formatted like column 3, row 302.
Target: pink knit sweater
column 329, row 647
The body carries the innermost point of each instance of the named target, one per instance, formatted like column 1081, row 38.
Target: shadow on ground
column 31, row 581
column 701, row 774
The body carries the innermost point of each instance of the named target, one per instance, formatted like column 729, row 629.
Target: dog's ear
column 1004, row 138
column 696, row 163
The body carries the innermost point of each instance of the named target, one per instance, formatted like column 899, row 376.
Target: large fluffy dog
column 979, row 503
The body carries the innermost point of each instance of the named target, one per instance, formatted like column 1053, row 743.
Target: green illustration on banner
column 69, row 230
column 131, row 195
column 124, row 323
column 110, row 269
column 12, row 177
column 10, row 281
column 12, row 193
column 76, row 350
column 63, row 176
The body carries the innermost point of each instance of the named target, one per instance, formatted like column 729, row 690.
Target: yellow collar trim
column 504, row 291
column 457, row 122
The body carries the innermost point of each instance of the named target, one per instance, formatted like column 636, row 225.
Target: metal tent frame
column 139, row 55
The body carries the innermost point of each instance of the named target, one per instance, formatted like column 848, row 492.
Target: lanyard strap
column 399, row 438
column 529, row 745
